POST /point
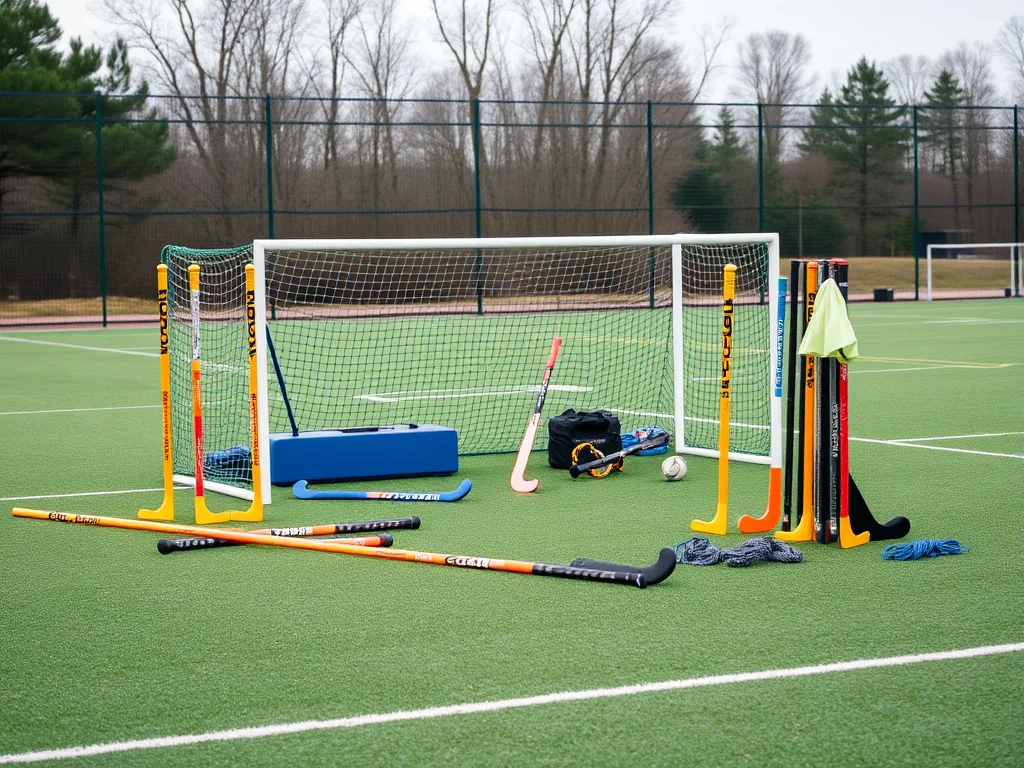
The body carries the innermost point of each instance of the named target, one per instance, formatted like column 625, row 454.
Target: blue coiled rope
column 915, row 550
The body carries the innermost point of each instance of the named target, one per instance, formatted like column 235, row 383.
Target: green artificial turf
column 106, row 640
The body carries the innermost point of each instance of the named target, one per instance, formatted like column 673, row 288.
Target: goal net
column 974, row 270
column 456, row 332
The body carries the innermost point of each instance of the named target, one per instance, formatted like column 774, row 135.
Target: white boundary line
column 78, row 410
column 903, row 444
column 79, row 346
column 954, row 437
column 237, row 734
column 89, row 493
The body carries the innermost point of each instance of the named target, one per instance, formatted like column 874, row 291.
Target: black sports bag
column 569, row 429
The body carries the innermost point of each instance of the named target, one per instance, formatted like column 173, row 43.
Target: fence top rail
column 472, row 243
column 570, row 102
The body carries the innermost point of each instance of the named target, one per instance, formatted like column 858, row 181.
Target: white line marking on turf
column 954, row 437
column 79, row 346
column 89, row 493
column 937, row 448
column 78, row 410
column 904, row 370
column 695, row 419
column 236, row 734
column 453, row 394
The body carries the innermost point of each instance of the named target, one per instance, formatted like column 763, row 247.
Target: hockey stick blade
column 862, row 520
column 578, row 469
column 653, row 574
column 301, row 491
column 518, row 481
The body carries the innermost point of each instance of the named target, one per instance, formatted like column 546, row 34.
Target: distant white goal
column 359, row 333
column 974, row 270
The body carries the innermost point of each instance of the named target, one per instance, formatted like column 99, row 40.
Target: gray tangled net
column 698, row 551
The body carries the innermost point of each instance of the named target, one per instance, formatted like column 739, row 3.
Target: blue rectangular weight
column 363, row 453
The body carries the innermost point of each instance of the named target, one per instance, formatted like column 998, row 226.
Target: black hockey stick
column 653, row 574
column 791, row 363
column 167, row 546
column 655, row 442
column 862, row 520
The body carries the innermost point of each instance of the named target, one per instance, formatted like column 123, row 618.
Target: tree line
column 358, row 123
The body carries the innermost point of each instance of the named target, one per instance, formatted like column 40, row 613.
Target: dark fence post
column 99, row 205
column 650, row 170
column 1016, row 194
column 650, row 197
column 760, row 168
column 474, row 119
column 917, row 215
column 268, row 120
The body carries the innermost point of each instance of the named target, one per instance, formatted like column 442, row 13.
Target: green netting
column 460, row 338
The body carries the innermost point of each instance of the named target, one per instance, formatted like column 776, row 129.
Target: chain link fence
column 91, row 188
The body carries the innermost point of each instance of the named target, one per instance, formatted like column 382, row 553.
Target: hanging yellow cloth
column 829, row 333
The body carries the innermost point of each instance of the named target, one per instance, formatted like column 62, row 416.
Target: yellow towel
column 829, row 333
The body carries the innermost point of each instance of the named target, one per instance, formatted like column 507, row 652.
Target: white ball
column 674, row 468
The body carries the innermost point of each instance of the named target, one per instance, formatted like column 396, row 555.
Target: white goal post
column 642, row 316
column 1014, row 282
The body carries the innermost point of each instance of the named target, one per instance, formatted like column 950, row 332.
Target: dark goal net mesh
column 460, row 338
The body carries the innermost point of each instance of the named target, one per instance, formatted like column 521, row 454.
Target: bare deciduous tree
column 971, row 65
column 909, row 77
column 469, row 36
column 339, row 17
column 1010, row 47
column 383, row 64
column 773, row 71
column 193, row 52
column 610, row 55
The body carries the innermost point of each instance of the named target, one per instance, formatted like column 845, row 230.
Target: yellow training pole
column 805, row 530
column 720, row 524
column 255, row 512
column 203, row 514
column 166, row 509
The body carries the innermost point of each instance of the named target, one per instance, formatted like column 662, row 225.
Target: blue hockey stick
column 301, row 491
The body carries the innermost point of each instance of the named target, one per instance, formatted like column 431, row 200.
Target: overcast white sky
column 839, row 33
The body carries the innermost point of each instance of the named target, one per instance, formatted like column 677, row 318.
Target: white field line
column 903, row 444
column 864, row 324
column 90, row 493
column 79, row 346
column 106, row 333
column 256, row 732
column 904, row 370
column 954, row 437
column 78, row 410
column 455, row 394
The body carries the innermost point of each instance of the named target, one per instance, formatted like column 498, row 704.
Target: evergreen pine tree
column 941, row 125
column 862, row 131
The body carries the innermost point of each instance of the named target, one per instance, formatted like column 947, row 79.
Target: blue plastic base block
column 363, row 453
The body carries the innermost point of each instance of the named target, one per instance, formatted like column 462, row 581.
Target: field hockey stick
column 655, row 442
column 636, row 578
column 660, row 571
column 519, row 482
column 791, row 363
column 166, row 509
column 301, row 491
column 719, row 524
column 167, row 546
